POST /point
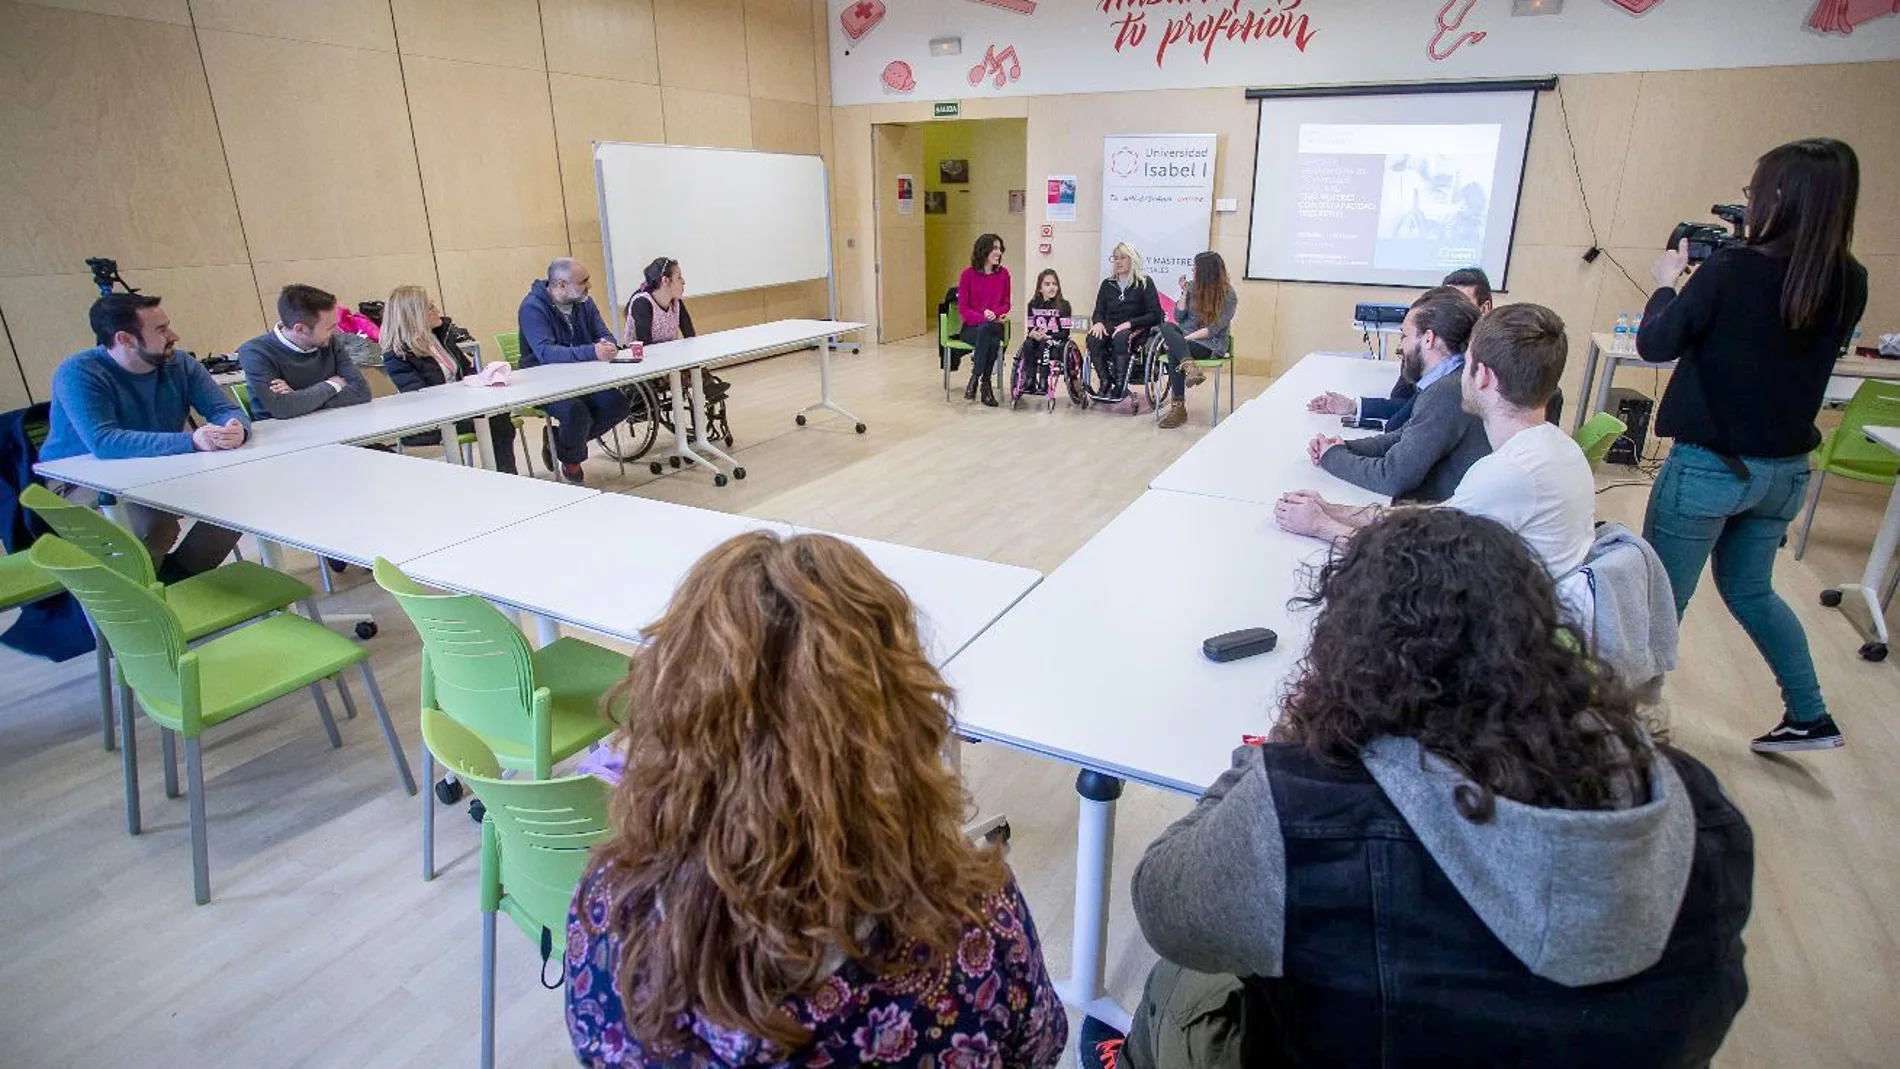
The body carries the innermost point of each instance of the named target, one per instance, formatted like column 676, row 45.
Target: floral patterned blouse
column 991, row 1006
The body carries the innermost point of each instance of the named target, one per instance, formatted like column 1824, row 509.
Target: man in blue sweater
column 560, row 325
column 128, row 397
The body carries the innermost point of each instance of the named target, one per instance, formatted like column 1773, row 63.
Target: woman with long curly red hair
column 787, row 881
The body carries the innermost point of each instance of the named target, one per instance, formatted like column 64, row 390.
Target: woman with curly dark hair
column 1460, row 847
column 787, row 882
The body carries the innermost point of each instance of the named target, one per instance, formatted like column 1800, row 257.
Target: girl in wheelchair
column 1047, row 355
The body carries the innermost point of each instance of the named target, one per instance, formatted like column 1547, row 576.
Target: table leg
column 1590, row 357
column 682, row 445
column 824, row 386
column 1094, row 857
column 484, row 443
column 451, row 449
column 547, row 630
column 1600, row 402
column 1868, row 590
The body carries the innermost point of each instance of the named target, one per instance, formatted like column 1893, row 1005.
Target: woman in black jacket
column 1125, row 306
column 1755, row 332
column 417, row 354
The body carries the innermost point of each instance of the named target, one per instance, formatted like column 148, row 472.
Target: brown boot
column 1195, row 376
column 1172, row 416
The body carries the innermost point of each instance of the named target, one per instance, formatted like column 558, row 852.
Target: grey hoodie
column 1580, row 897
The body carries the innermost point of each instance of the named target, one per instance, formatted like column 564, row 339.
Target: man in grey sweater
column 1424, row 460
column 300, row 366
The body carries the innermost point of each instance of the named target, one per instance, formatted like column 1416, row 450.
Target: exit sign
column 946, row 109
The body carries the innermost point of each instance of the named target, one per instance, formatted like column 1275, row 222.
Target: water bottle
column 1620, row 338
column 1636, row 327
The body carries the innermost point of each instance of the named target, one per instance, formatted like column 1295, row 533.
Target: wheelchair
column 1042, row 375
column 650, row 410
column 1144, row 379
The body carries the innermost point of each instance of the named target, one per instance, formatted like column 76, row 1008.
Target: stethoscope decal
column 1448, row 24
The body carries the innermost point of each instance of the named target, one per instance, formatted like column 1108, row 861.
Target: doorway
column 969, row 177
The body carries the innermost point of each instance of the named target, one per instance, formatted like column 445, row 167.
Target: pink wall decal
column 861, row 18
column 1841, row 16
column 1450, row 23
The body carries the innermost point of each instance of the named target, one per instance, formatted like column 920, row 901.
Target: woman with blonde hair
column 417, row 354
column 1126, row 307
column 787, row 881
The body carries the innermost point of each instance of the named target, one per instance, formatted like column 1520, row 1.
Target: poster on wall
column 906, row 194
column 1061, row 199
column 1158, row 195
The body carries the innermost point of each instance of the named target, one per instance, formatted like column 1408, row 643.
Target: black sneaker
column 1790, row 735
column 1099, row 1046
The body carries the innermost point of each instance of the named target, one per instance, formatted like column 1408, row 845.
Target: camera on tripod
column 105, row 275
column 1705, row 238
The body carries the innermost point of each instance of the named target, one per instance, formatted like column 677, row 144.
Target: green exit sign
column 946, row 109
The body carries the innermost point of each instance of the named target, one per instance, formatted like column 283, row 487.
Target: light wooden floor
column 322, row 947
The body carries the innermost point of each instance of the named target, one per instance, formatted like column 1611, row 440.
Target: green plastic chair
column 185, row 691
column 1597, row 435
column 206, row 603
column 1846, row 452
column 531, row 707
column 1222, row 367
column 536, row 839
column 23, row 582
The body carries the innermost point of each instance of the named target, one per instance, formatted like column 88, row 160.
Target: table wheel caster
column 998, row 835
column 1831, row 598
column 800, row 418
column 366, row 629
column 655, row 467
column 673, row 462
column 1873, row 651
column 476, row 811
column 719, row 480
column 738, row 473
column 448, row 791
column 860, row 428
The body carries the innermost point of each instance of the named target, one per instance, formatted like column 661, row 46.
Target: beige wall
column 221, row 148
column 998, row 155
column 1653, row 148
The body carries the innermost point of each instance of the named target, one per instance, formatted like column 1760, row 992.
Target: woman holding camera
column 1755, row 330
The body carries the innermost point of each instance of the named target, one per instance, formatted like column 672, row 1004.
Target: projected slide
column 1386, row 197
column 1405, row 198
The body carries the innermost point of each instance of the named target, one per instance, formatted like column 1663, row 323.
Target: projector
column 1371, row 314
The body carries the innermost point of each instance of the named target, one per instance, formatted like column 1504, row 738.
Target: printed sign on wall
column 1158, row 195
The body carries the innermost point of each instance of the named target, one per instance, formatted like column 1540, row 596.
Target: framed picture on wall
column 1017, row 200
column 936, row 202
column 953, row 172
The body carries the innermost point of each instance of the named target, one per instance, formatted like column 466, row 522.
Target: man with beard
column 561, row 325
column 1423, row 460
column 1392, row 411
column 1535, row 480
column 128, row 397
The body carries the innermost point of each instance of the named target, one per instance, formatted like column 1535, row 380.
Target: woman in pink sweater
column 983, row 302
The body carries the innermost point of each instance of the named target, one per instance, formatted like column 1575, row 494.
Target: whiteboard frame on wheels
column 738, row 219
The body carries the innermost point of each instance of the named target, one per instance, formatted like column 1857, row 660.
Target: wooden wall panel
column 173, row 11
column 602, row 39
column 353, row 279
column 702, row 44
column 319, row 146
column 106, row 157
column 780, row 126
column 212, row 308
column 12, row 384
column 1551, row 211
column 587, row 110
column 506, row 33
column 486, row 139
column 350, row 23
column 482, row 290
column 781, row 52
column 710, row 120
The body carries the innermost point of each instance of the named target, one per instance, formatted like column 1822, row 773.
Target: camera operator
column 1756, row 330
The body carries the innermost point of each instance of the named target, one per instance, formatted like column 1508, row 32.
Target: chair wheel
column 738, row 473
column 799, row 419
column 860, row 428
column 728, row 441
column 999, row 834
column 1873, row 651
column 336, row 566
column 655, row 467
column 719, row 480
column 673, row 462
column 476, row 811
column 448, row 791
column 1831, row 598
column 366, row 630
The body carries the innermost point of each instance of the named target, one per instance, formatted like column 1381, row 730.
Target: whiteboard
column 735, row 219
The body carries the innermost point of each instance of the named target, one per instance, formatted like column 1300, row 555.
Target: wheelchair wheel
column 643, row 424
column 1155, row 365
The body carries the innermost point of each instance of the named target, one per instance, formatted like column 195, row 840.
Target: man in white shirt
column 1535, row 481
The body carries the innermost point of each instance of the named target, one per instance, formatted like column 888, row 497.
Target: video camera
column 105, row 275
column 1705, row 238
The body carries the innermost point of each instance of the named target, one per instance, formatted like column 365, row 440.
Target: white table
column 1879, row 560
column 358, row 504
column 642, row 549
column 1600, row 354
column 1259, row 451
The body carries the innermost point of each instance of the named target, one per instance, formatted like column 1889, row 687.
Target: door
column 902, row 310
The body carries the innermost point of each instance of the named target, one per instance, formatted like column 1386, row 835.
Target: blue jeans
column 1699, row 509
